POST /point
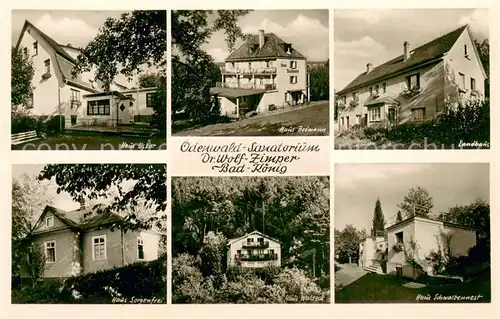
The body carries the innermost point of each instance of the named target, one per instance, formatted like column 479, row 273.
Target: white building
column 79, row 99
column 254, row 250
column 264, row 74
column 415, row 85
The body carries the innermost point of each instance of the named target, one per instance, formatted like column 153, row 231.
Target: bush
column 23, row 123
column 44, row 292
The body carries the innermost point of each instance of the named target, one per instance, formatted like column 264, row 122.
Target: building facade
column 80, row 99
column 254, row 250
column 73, row 243
column 264, row 74
column 415, row 86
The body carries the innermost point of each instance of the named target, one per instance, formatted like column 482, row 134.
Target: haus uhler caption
column 252, row 158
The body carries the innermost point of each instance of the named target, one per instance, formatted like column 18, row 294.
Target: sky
column 377, row 35
column 357, row 187
column 75, row 27
column 307, row 30
column 62, row 200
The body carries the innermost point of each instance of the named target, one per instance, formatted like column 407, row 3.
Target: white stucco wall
column 45, row 95
column 397, row 259
column 470, row 66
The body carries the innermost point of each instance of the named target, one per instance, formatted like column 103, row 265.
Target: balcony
column 74, row 102
column 265, row 70
column 257, row 245
column 247, row 86
column 259, row 257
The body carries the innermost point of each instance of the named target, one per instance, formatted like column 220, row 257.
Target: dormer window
column 35, row 48
column 49, row 221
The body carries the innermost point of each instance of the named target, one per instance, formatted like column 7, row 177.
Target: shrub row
column 41, row 124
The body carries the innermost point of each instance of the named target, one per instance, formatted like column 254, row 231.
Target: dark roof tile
column 274, row 47
column 424, row 53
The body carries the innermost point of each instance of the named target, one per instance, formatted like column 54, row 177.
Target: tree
column 147, row 80
column 159, row 81
column 29, row 197
column 22, row 72
column 128, row 45
column 399, row 217
column 378, row 222
column 193, row 70
column 483, row 49
column 347, row 243
column 135, row 183
column 319, row 77
column 417, row 202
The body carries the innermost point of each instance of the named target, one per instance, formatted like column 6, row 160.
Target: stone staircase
column 374, row 267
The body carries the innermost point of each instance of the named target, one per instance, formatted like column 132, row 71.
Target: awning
column 381, row 101
column 234, row 93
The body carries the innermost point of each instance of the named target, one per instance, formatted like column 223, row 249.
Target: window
column 238, row 252
column 465, row 51
column 140, row 248
column 271, row 252
column 100, row 107
column 149, row 100
column 75, row 95
column 249, row 65
column 342, row 121
column 418, row 114
column 384, row 87
column 35, row 48
column 232, row 65
column 46, row 64
column 293, row 64
column 374, row 113
column 358, row 119
column 377, row 89
column 344, row 99
column 461, row 85
column 249, row 240
column 413, row 81
column 293, row 79
column 355, row 96
column 347, row 121
column 260, row 240
column 472, row 84
column 50, row 251
column 399, row 238
column 268, row 64
column 99, row 247
column 49, row 221
column 370, row 89
column 25, row 51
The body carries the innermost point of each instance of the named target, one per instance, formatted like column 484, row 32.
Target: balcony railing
column 265, row 70
column 247, row 86
column 75, row 103
column 256, row 245
column 259, row 257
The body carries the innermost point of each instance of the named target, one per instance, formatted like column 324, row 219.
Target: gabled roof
column 83, row 219
column 255, row 232
column 426, row 53
column 274, row 47
column 57, row 48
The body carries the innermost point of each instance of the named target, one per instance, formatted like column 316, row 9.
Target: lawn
column 94, row 142
column 312, row 120
column 385, row 288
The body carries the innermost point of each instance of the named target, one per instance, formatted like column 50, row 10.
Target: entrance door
column 73, row 120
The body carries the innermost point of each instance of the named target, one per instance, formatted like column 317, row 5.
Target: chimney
column 261, row 39
column 406, row 50
column 369, row 68
column 82, row 203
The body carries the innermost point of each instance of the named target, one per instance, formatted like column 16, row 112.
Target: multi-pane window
column 35, row 48
column 374, row 113
column 140, row 248
column 99, row 247
column 344, row 99
column 293, row 64
column 50, row 251
column 293, row 79
column 99, row 107
column 418, row 114
column 149, row 100
column 413, row 81
column 75, row 95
